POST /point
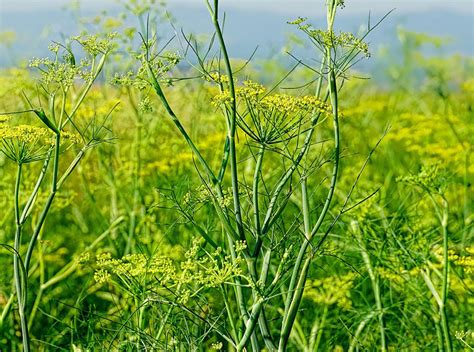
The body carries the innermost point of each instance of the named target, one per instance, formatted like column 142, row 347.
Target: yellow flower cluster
column 168, row 165
column 468, row 86
column 4, row 118
column 290, row 104
column 13, row 82
column 467, row 261
column 134, row 265
column 430, row 137
column 217, row 346
column 69, row 137
column 331, row 290
column 203, row 195
column 367, row 107
column 250, row 90
column 430, row 177
column 25, row 134
column 95, row 45
column 217, row 78
column 52, row 71
column 101, row 276
column 329, row 39
column 397, row 276
column 464, row 261
column 222, row 99
column 29, row 134
column 202, row 270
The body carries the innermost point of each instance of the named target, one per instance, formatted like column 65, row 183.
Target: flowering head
column 270, row 119
column 24, row 143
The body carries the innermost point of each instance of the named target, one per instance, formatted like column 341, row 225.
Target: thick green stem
column 49, row 202
column 256, row 208
column 305, row 207
column 335, row 171
column 262, row 321
column 290, row 313
column 296, row 269
column 136, row 157
column 6, row 309
column 21, row 289
column 239, row 295
column 442, row 298
column 233, row 122
column 250, row 325
column 256, row 313
column 439, row 334
column 32, row 198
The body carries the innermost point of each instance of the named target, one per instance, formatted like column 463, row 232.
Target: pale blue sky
column 353, row 6
column 251, row 22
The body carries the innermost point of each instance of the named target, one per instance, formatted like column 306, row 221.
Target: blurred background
column 27, row 26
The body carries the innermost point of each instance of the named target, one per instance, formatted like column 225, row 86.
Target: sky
column 250, row 22
column 275, row 6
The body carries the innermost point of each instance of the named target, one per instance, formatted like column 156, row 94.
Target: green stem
column 229, row 314
column 444, row 293
column 85, row 90
column 47, row 206
column 335, row 172
column 321, row 328
column 439, row 334
column 54, row 187
column 290, row 313
column 32, row 198
column 163, row 324
column 21, row 289
column 360, row 328
column 239, row 293
column 376, row 290
column 136, row 156
column 256, row 210
column 157, row 87
column 6, row 309
column 305, row 206
column 286, row 327
column 233, row 121
column 443, row 214
column 250, row 326
column 39, row 292
column 262, row 321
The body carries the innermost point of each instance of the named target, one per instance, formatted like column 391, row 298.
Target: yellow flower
column 331, row 290
column 218, row 78
column 24, row 143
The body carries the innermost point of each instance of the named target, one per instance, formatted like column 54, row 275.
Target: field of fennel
column 157, row 194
